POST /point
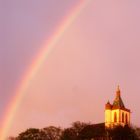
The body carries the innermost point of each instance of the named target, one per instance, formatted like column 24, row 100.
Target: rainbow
column 35, row 66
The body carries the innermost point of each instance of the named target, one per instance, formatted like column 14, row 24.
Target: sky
column 98, row 51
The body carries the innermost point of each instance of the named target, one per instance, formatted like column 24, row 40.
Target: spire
column 118, row 92
column 118, row 88
column 118, row 103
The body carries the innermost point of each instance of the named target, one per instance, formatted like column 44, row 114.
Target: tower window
column 123, row 117
column 115, row 117
column 126, row 118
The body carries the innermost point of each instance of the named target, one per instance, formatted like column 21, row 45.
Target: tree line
column 80, row 131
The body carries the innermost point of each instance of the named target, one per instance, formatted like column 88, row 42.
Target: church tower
column 116, row 113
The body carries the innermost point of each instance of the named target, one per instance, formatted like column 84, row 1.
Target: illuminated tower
column 116, row 113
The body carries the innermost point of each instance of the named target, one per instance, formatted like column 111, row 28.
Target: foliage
column 73, row 132
column 69, row 134
column 32, row 134
column 52, row 133
column 120, row 132
column 86, row 133
column 137, row 131
column 80, row 131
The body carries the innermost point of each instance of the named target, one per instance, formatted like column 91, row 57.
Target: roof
column 118, row 103
column 93, row 130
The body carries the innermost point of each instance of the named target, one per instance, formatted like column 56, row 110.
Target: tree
column 123, row 133
column 32, row 134
column 86, row 133
column 52, row 132
column 72, row 133
column 137, row 131
column 69, row 134
column 78, row 126
column 80, row 131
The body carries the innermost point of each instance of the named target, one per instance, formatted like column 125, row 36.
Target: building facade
column 116, row 113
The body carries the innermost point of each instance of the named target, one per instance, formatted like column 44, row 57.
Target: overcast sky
column 99, row 50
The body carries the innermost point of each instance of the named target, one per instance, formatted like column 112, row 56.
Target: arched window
column 123, row 117
column 126, row 118
column 115, row 117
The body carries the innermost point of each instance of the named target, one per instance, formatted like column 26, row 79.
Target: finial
column 118, row 90
column 108, row 102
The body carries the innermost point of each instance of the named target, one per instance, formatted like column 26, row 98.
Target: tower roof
column 108, row 105
column 118, row 103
